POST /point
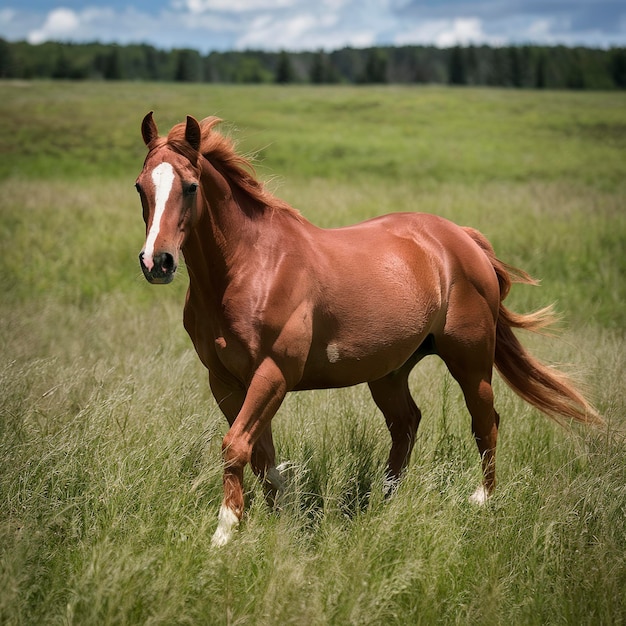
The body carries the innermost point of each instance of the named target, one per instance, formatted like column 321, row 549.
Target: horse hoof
column 276, row 477
column 286, row 468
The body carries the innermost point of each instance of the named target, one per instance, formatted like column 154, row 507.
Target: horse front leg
column 230, row 398
column 263, row 463
column 264, row 396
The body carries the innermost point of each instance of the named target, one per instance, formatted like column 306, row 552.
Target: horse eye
column 192, row 188
column 138, row 187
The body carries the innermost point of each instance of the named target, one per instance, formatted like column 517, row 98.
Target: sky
column 207, row 25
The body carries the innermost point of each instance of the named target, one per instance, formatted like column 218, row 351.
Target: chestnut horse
column 277, row 304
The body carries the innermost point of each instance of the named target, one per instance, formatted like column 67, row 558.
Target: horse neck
column 220, row 231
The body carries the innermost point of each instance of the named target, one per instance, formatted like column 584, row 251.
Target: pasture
column 110, row 465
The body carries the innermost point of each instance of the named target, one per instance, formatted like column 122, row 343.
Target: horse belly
column 374, row 324
column 334, row 369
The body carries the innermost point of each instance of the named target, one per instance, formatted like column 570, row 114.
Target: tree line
column 528, row 66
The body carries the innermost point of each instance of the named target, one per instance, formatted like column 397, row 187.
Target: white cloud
column 464, row 30
column 424, row 33
column 539, row 29
column 232, row 6
column 446, row 33
column 287, row 24
column 60, row 24
column 253, row 6
column 106, row 24
column 298, row 24
column 301, row 32
column 7, row 15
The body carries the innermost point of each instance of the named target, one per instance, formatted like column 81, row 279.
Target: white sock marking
column 163, row 178
column 480, row 496
column 227, row 521
column 390, row 486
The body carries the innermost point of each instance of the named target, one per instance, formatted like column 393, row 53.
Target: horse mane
column 238, row 170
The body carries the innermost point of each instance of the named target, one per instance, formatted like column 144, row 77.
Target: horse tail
column 543, row 386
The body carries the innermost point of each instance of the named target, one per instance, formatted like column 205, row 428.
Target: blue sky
column 313, row 24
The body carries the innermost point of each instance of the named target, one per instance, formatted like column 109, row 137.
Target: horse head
column 168, row 187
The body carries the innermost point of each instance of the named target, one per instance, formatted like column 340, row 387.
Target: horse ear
column 149, row 129
column 193, row 134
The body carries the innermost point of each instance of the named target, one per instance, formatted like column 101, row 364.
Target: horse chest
column 232, row 356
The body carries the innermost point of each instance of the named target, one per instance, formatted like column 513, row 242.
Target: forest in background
column 529, row 66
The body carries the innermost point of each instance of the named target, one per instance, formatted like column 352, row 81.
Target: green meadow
column 110, row 467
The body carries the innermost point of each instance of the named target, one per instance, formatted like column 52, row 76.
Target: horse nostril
column 164, row 262
column 158, row 269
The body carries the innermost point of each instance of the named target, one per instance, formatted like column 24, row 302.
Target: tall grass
column 110, row 471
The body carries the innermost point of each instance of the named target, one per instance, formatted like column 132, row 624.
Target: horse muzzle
column 160, row 269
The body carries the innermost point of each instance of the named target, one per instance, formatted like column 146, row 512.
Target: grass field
column 110, row 470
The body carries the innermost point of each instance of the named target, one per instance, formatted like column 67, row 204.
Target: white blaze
column 163, row 179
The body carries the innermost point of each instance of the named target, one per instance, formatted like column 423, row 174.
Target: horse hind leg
column 471, row 366
column 392, row 396
column 485, row 422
